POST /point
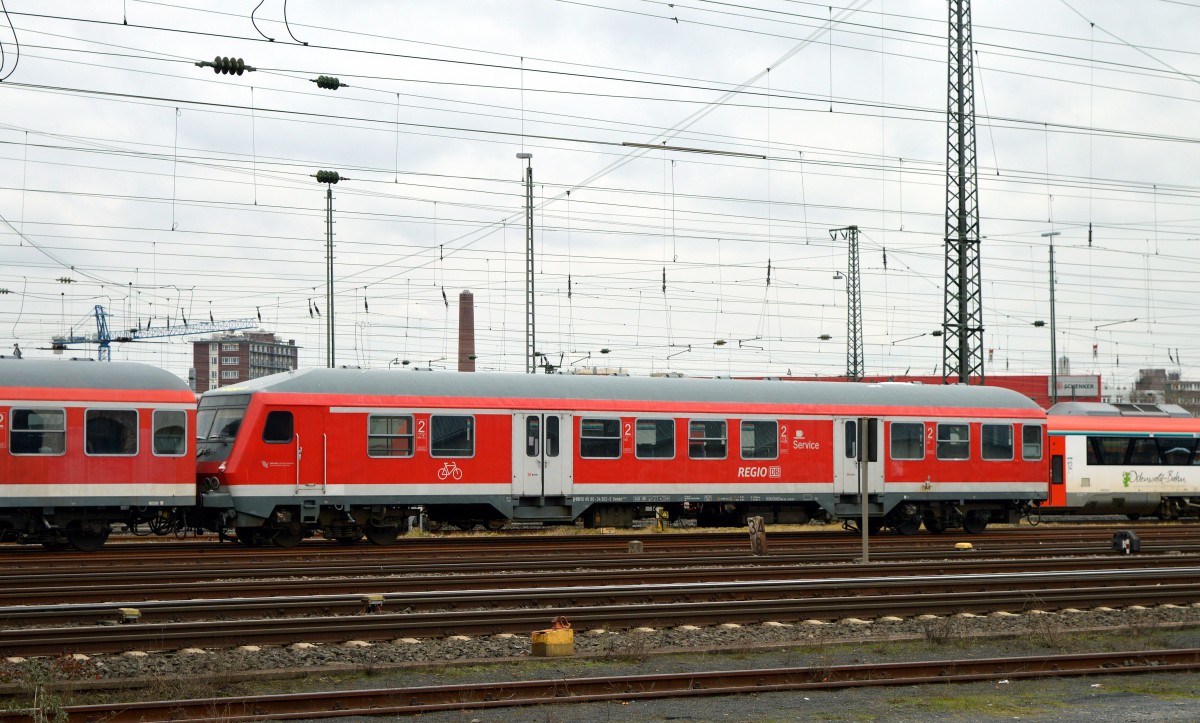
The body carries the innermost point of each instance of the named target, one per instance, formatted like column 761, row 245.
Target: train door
column 855, row 439
column 1058, row 472
column 542, row 454
column 294, row 450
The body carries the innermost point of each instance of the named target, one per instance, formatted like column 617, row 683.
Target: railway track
column 514, row 694
column 67, row 592
column 817, row 546
column 485, row 612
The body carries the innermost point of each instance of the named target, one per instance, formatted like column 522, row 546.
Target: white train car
column 1129, row 459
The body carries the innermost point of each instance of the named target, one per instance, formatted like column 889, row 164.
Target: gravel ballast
column 629, row 652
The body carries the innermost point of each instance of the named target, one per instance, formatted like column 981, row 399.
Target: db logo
column 759, row 472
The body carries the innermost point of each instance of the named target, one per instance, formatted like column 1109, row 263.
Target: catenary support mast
column 962, row 354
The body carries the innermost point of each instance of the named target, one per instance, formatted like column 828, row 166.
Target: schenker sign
column 1077, row 385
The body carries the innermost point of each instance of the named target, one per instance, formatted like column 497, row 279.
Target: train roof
column 551, row 386
column 86, row 374
column 1103, row 409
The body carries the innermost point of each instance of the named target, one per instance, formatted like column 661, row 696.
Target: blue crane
column 104, row 338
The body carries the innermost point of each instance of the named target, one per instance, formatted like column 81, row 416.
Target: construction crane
column 104, row 338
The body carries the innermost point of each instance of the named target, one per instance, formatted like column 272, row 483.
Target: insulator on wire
column 329, row 82
column 328, row 177
column 222, row 65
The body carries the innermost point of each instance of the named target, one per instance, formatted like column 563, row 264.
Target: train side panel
column 956, row 456
column 85, row 446
column 1128, row 465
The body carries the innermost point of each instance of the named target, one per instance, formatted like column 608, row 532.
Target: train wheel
column 86, row 539
column 874, row 525
column 288, row 535
column 911, row 526
column 249, row 536
column 975, row 522
column 935, row 527
column 382, row 534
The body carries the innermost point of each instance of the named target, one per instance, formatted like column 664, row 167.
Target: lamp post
column 329, row 178
column 1053, row 340
column 530, row 321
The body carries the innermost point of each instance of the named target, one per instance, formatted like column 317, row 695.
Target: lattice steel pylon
column 531, row 363
column 854, row 342
column 962, row 353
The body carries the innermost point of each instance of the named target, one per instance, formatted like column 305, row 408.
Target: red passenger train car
column 85, row 445
column 349, row 452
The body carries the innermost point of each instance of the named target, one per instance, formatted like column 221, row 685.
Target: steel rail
column 45, row 589
column 601, row 611
column 511, row 694
column 129, row 555
column 303, row 590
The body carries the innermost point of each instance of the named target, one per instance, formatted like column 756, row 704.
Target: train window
column 600, row 438
column 451, row 436
column 279, row 427
column 1145, row 451
column 997, row 441
column 1031, row 442
column 552, row 433
column 219, row 416
column 390, row 436
column 953, row 441
column 533, row 435
column 38, row 431
column 872, row 440
column 707, row 439
column 851, row 439
column 655, row 438
column 170, row 432
column 908, row 440
column 760, row 439
column 110, row 432
column 1107, row 450
column 1176, row 451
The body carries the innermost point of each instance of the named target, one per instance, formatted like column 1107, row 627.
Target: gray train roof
column 86, row 374
column 1103, row 409
column 488, row 384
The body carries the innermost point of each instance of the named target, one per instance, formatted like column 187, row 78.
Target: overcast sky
column 164, row 190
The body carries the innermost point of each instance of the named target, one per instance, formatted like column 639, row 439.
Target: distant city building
column 225, row 359
column 1159, row 386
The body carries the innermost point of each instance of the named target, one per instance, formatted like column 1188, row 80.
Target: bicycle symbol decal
column 449, row 469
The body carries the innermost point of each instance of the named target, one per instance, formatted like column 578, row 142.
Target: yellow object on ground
column 556, row 642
